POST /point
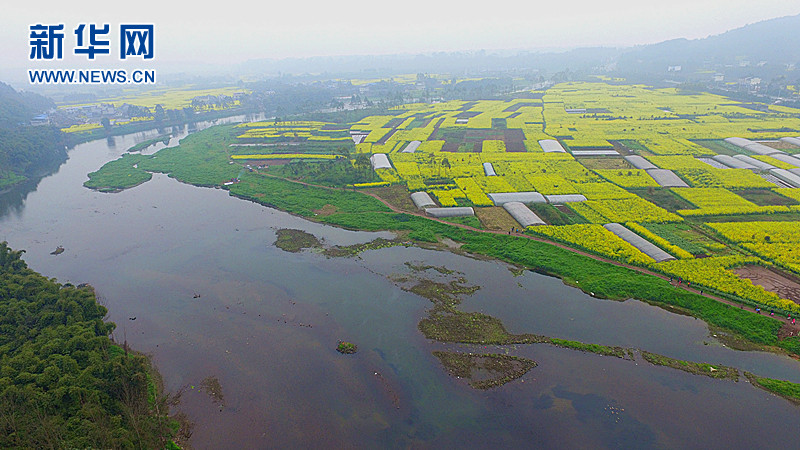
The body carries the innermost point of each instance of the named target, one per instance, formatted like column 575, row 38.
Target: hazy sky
column 231, row 31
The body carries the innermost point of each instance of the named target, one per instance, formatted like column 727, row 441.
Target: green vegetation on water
column 346, row 348
column 212, row 387
column 709, row 370
column 201, row 159
column 293, row 241
column 785, row 389
column 605, row 280
column 352, row 250
column 119, row 174
column 604, row 350
column 63, row 382
column 447, row 324
column 296, row 240
column 485, row 371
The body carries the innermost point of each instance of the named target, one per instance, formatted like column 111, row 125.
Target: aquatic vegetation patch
column 212, row 387
column 786, row 389
column 119, row 174
column 353, row 250
column 346, row 348
column 485, row 371
column 423, row 267
column 709, row 370
column 290, row 240
column 443, row 294
column 604, row 350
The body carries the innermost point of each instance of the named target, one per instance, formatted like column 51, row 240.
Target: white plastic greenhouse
column 551, row 146
column 786, row 176
column 522, row 197
column 522, row 214
column 666, row 178
column 380, row 161
column 645, row 246
column 459, row 211
column 422, row 200
column 754, row 162
column 733, row 163
column 792, row 140
column 786, row 158
column 411, row 147
column 640, row 163
column 560, row 199
column 754, row 147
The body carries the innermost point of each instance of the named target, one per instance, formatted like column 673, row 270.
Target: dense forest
column 26, row 150
column 63, row 382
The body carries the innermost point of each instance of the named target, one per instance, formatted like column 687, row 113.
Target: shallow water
column 266, row 324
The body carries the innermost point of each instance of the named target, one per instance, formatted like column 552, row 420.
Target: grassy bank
column 119, row 174
column 785, row 389
column 709, row 370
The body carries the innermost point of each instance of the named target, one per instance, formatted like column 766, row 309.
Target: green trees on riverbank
column 63, row 383
column 26, row 150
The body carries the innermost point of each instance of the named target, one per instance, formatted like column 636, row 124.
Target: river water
column 266, row 324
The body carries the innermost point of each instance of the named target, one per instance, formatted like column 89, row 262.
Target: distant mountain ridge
column 774, row 43
column 20, row 107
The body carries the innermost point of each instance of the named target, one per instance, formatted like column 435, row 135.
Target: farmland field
column 473, row 154
column 169, row 98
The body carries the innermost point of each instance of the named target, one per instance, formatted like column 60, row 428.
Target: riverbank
column 203, row 159
column 71, row 386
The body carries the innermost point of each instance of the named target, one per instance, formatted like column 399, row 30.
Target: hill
column 765, row 49
column 26, row 150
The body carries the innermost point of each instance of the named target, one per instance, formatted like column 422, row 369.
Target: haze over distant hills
column 774, row 43
column 771, row 46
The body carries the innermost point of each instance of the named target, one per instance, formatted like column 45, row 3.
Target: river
column 191, row 277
